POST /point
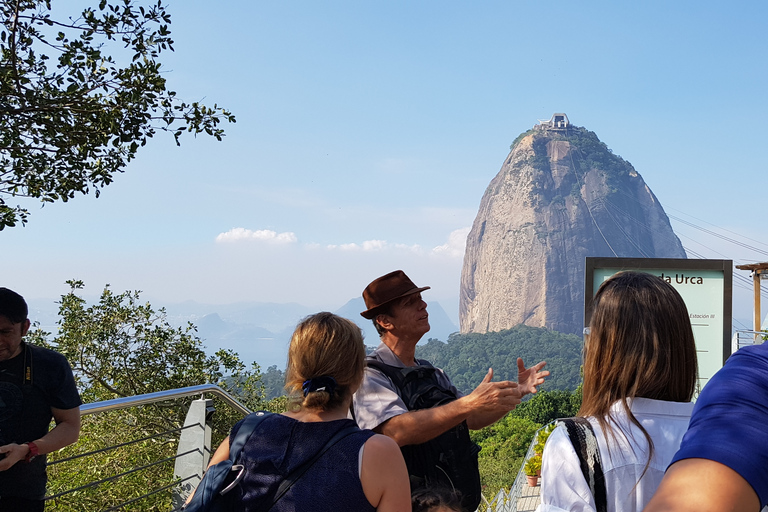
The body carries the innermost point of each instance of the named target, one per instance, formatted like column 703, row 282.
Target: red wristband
column 33, row 451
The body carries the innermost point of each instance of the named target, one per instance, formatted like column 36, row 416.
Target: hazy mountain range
column 257, row 331
column 261, row 331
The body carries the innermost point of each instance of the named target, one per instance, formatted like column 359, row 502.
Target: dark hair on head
column 386, row 309
column 379, row 329
column 325, row 345
column 640, row 344
column 13, row 306
column 430, row 498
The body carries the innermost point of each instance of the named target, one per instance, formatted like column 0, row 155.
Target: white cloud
column 374, row 245
column 264, row 235
column 416, row 248
column 454, row 248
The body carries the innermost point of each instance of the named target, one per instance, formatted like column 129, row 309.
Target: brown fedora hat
column 386, row 289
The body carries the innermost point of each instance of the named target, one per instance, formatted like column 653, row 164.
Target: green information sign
column 704, row 285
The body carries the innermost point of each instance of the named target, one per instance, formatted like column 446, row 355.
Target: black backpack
column 450, row 459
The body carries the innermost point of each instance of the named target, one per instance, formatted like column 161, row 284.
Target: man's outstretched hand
column 529, row 378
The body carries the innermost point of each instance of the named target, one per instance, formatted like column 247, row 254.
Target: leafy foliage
column 80, row 96
column 546, row 406
column 467, row 357
column 505, row 443
column 503, row 448
column 274, row 382
column 120, row 347
column 533, row 465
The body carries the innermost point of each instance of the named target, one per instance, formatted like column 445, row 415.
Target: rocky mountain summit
column 560, row 196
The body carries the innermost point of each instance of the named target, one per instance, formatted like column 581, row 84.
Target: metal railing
column 161, row 396
column 192, row 453
column 745, row 338
column 506, row 501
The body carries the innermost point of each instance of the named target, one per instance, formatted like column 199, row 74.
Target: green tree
column 503, row 446
column 121, row 347
column 546, row 406
column 80, row 94
column 274, row 382
column 505, row 443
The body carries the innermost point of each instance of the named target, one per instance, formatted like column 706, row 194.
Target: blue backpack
column 224, row 476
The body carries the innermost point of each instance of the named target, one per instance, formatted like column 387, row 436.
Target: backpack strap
column 221, row 478
column 393, row 373
column 244, row 433
column 236, row 446
column 583, row 439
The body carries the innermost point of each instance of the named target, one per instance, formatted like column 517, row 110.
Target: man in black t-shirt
column 36, row 385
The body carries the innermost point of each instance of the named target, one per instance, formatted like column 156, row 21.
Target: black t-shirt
column 25, row 411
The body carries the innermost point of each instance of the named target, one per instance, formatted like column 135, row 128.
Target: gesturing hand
column 495, row 396
column 528, row 379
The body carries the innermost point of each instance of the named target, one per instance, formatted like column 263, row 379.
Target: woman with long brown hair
column 640, row 373
column 362, row 471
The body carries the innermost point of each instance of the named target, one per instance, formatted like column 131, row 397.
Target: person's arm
column 66, row 432
column 488, row 400
column 384, row 476
column 220, row 455
column 703, row 485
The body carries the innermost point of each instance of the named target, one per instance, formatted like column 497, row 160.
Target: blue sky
column 367, row 133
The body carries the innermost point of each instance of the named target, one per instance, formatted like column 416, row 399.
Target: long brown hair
column 325, row 345
column 640, row 344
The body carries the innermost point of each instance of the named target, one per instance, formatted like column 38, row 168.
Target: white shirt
column 562, row 484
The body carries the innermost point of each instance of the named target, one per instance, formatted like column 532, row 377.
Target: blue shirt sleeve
column 730, row 417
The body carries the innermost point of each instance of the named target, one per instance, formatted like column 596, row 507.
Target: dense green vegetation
column 588, row 153
column 122, row 347
column 274, row 382
column 467, row 357
column 505, row 443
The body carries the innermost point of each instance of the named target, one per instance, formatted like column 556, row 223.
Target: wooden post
column 757, row 269
column 756, row 280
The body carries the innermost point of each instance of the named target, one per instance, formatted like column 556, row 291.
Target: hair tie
column 325, row 383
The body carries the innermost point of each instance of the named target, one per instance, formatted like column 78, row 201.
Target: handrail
column 159, row 396
column 199, row 420
column 514, row 491
column 748, row 331
column 744, row 338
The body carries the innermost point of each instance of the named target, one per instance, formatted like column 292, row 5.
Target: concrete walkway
column 529, row 498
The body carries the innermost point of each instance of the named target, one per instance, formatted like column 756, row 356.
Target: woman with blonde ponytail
column 362, row 471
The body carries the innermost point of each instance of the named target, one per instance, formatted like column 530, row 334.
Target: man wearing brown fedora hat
column 416, row 404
